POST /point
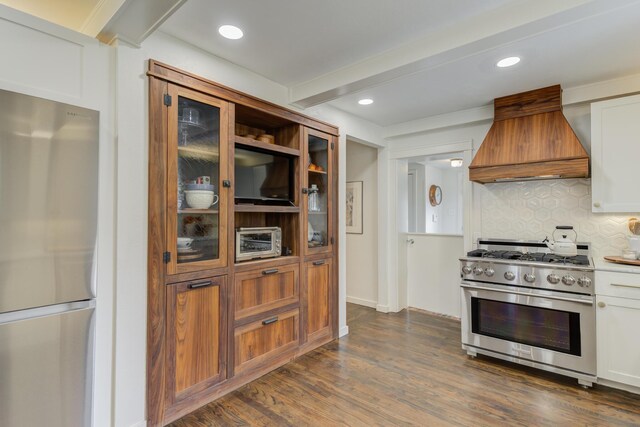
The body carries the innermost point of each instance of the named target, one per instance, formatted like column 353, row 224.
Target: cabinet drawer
column 624, row 285
column 265, row 339
column 265, row 289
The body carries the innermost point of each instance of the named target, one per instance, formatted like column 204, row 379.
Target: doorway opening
column 435, row 194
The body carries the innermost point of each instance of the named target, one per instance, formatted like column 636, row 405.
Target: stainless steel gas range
column 522, row 304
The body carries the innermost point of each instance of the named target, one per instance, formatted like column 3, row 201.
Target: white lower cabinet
column 618, row 327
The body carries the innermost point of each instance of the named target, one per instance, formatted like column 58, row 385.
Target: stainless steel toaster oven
column 258, row 242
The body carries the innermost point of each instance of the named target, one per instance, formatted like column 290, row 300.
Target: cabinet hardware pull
column 305, row 190
column 226, row 183
column 270, row 321
column 318, row 262
column 272, row 271
column 601, row 304
column 200, row 284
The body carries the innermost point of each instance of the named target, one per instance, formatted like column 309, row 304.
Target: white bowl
column 184, row 242
column 200, row 199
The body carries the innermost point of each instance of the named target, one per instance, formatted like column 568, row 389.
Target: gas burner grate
column 530, row 256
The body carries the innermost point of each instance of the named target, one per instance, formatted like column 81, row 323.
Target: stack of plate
column 188, row 254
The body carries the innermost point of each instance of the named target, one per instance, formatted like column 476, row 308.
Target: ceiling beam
column 499, row 27
column 103, row 11
column 135, row 20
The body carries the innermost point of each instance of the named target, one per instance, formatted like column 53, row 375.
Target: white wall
column 433, row 214
column 421, row 198
column 445, row 218
column 433, row 281
column 362, row 249
column 44, row 60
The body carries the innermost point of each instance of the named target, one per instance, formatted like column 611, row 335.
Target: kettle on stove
column 564, row 246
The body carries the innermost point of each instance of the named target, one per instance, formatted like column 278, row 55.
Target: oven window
column 256, row 242
column 539, row 327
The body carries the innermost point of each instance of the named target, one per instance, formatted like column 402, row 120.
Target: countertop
column 602, row 265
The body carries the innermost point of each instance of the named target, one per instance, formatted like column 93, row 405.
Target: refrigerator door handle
column 49, row 310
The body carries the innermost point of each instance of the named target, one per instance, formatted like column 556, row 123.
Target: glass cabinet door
column 197, row 164
column 318, row 184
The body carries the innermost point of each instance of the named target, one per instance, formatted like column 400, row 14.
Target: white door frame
column 392, row 227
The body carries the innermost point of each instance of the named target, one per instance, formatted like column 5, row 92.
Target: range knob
column 509, row 275
column 489, row 272
column 466, row 269
column 553, row 278
column 568, row 280
column 478, row 271
column 585, row 282
column 530, row 277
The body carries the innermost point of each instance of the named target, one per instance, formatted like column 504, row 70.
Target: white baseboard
column 382, row 308
column 343, row 331
column 142, row 423
column 360, row 301
column 620, row 386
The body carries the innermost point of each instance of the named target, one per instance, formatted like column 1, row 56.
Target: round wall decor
column 435, row 195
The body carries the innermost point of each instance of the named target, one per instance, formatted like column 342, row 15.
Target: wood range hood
column 530, row 139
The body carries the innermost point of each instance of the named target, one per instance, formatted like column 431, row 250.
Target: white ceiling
column 417, row 58
column 594, row 49
column 292, row 41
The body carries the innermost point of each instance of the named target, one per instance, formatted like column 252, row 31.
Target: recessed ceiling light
column 456, row 163
column 230, row 32
column 366, row 101
column 508, row 62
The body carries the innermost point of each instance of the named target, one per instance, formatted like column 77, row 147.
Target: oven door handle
column 526, row 294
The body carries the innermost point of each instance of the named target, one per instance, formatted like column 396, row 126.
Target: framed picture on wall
column 354, row 207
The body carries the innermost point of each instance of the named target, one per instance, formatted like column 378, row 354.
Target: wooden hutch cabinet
column 222, row 162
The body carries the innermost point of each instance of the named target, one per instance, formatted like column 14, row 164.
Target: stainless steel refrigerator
column 48, row 222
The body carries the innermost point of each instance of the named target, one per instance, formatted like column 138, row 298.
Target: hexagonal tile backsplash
column 531, row 210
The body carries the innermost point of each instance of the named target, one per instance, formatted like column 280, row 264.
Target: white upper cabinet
column 615, row 155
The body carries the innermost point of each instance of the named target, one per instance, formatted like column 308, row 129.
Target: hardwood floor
column 409, row 369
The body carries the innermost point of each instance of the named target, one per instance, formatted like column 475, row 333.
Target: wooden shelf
column 197, row 211
column 248, row 142
column 197, row 153
column 312, row 171
column 266, row 208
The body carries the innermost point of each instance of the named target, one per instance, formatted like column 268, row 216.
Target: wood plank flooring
column 409, row 369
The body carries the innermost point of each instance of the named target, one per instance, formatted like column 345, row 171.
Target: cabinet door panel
column 618, row 346
column 263, row 290
column 260, row 341
column 198, row 138
column 319, row 203
column 318, row 299
column 196, row 325
column 614, row 154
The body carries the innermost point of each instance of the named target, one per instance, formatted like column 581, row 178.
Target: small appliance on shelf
column 258, row 243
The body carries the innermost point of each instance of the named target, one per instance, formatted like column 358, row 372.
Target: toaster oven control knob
column 568, row 280
column 489, row 272
column 585, row 282
column 509, row 275
column 553, row 279
column 478, row 271
column 530, row 277
column 466, row 269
